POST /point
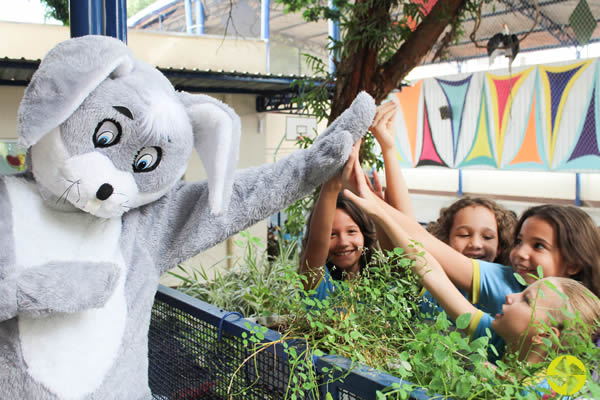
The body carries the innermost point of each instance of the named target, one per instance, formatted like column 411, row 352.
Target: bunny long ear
column 67, row 75
column 217, row 132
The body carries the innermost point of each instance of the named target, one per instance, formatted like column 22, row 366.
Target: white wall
column 516, row 190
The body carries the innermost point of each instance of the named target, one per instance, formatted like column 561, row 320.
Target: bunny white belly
column 69, row 353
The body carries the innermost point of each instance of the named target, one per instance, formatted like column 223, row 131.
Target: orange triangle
column 528, row 152
column 409, row 104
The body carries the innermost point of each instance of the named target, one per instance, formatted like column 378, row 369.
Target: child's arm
column 384, row 241
column 427, row 267
column 383, row 129
column 458, row 267
column 314, row 255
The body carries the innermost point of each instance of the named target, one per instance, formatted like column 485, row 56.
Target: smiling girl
column 477, row 227
column 339, row 236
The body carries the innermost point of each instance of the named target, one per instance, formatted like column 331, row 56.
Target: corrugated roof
column 18, row 72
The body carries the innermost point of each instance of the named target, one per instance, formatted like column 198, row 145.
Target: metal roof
column 18, row 72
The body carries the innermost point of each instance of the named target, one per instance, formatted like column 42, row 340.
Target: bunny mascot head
column 103, row 212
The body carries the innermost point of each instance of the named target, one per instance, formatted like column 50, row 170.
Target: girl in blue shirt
column 339, row 240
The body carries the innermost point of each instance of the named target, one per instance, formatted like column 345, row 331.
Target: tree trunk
column 358, row 69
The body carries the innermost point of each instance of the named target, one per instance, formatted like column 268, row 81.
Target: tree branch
column 416, row 47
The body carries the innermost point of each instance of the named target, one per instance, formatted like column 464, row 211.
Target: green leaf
column 463, row 388
column 328, row 396
column 440, row 355
column 520, row 279
column 555, row 289
column 308, row 301
column 540, row 272
column 463, row 321
column 355, row 335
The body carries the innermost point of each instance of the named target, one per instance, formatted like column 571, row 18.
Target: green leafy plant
column 252, row 286
column 375, row 321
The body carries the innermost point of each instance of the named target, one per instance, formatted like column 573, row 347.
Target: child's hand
column 361, row 194
column 347, row 180
column 383, row 124
column 342, row 180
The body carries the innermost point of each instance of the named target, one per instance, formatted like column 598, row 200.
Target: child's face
column 536, row 245
column 522, row 312
column 346, row 242
column 474, row 233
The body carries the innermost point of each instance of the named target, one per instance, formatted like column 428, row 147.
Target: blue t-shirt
column 477, row 328
column 325, row 287
column 491, row 283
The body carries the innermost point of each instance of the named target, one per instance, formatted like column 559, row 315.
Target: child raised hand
column 339, row 239
column 433, row 276
column 383, row 129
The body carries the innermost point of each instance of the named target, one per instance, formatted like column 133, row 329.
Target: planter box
column 195, row 348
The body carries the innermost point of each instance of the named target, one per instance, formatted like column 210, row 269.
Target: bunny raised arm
column 102, row 212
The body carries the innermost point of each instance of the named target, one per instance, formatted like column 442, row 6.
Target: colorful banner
column 535, row 118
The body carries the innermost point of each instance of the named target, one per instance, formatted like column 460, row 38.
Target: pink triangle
column 428, row 152
column 503, row 88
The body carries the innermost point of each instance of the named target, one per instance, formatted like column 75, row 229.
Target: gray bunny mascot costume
column 102, row 212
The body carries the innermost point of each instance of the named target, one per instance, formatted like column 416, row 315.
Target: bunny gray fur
column 102, row 213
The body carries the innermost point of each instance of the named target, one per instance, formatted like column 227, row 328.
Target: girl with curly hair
column 476, row 227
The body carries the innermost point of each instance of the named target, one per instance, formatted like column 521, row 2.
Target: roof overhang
column 18, row 72
column 274, row 92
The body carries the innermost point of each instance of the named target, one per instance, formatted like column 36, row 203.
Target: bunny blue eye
column 147, row 159
column 107, row 133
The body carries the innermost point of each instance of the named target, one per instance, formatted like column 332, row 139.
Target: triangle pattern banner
column 586, row 152
column 481, row 152
column 535, row 118
column 557, row 83
column 503, row 90
column 456, row 94
column 429, row 154
column 408, row 98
